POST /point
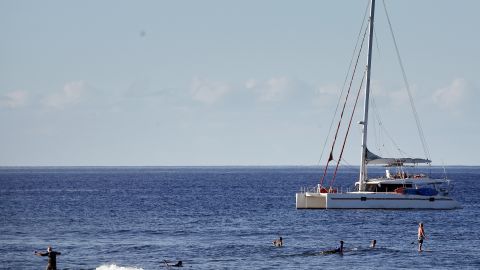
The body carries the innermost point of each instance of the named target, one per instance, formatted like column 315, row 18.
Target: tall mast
column 363, row 165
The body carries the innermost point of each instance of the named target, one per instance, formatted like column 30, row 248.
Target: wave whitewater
column 116, row 267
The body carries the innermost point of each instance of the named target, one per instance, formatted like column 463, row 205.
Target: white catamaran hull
column 372, row 200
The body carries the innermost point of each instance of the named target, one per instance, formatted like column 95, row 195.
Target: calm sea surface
column 219, row 218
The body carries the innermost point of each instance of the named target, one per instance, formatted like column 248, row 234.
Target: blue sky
column 228, row 82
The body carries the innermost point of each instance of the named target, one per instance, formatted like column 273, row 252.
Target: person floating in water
column 338, row 250
column 373, row 243
column 278, row 242
column 52, row 258
column 178, row 264
column 421, row 236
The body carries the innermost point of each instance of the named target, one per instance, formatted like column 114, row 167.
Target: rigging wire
column 348, row 130
column 415, row 114
column 346, row 162
column 382, row 127
column 343, row 109
column 377, row 42
column 377, row 137
column 344, row 83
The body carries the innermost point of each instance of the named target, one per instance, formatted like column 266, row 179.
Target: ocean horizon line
column 207, row 166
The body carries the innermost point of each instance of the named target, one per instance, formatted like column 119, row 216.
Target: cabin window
column 385, row 187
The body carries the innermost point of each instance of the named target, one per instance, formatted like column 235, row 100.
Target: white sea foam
column 116, row 267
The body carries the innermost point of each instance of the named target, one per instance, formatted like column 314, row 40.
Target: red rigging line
column 330, row 157
column 346, row 134
column 344, row 84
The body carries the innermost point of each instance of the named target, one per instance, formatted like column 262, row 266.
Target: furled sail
column 374, row 159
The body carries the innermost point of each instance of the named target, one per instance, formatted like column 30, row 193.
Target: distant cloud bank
column 277, row 90
column 14, row 99
column 274, row 90
column 207, row 91
column 453, row 95
column 72, row 93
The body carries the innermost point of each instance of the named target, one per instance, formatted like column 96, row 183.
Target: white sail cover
column 374, row 159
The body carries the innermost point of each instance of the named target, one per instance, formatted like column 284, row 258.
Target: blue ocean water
column 219, row 218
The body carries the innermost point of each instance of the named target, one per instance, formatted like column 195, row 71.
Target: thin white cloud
column 140, row 88
column 391, row 97
column 453, row 95
column 251, row 83
column 326, row 93
column 72, row 93
column 272, row 90
column 400, row 99
column 328, row 89
column 208, row 92
column 14, row 99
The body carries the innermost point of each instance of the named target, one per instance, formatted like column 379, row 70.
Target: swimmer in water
column 178, row 264
column 340, row 249
column 337, row 250
column 52, row 258
column 278, row 242
column 373, row 243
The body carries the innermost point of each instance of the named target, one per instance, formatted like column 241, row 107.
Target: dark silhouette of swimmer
column 178, row 264
column 278, row 242
column 340, row 249
column 333, row 251
column 373, row 244
column 52, row 258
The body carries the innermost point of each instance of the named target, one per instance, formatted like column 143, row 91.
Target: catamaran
column 398, row 190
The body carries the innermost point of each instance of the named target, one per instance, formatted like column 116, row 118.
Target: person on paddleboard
column 52, row 258
column 421, row 236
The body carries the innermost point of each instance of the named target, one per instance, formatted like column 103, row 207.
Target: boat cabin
column 386, row 187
